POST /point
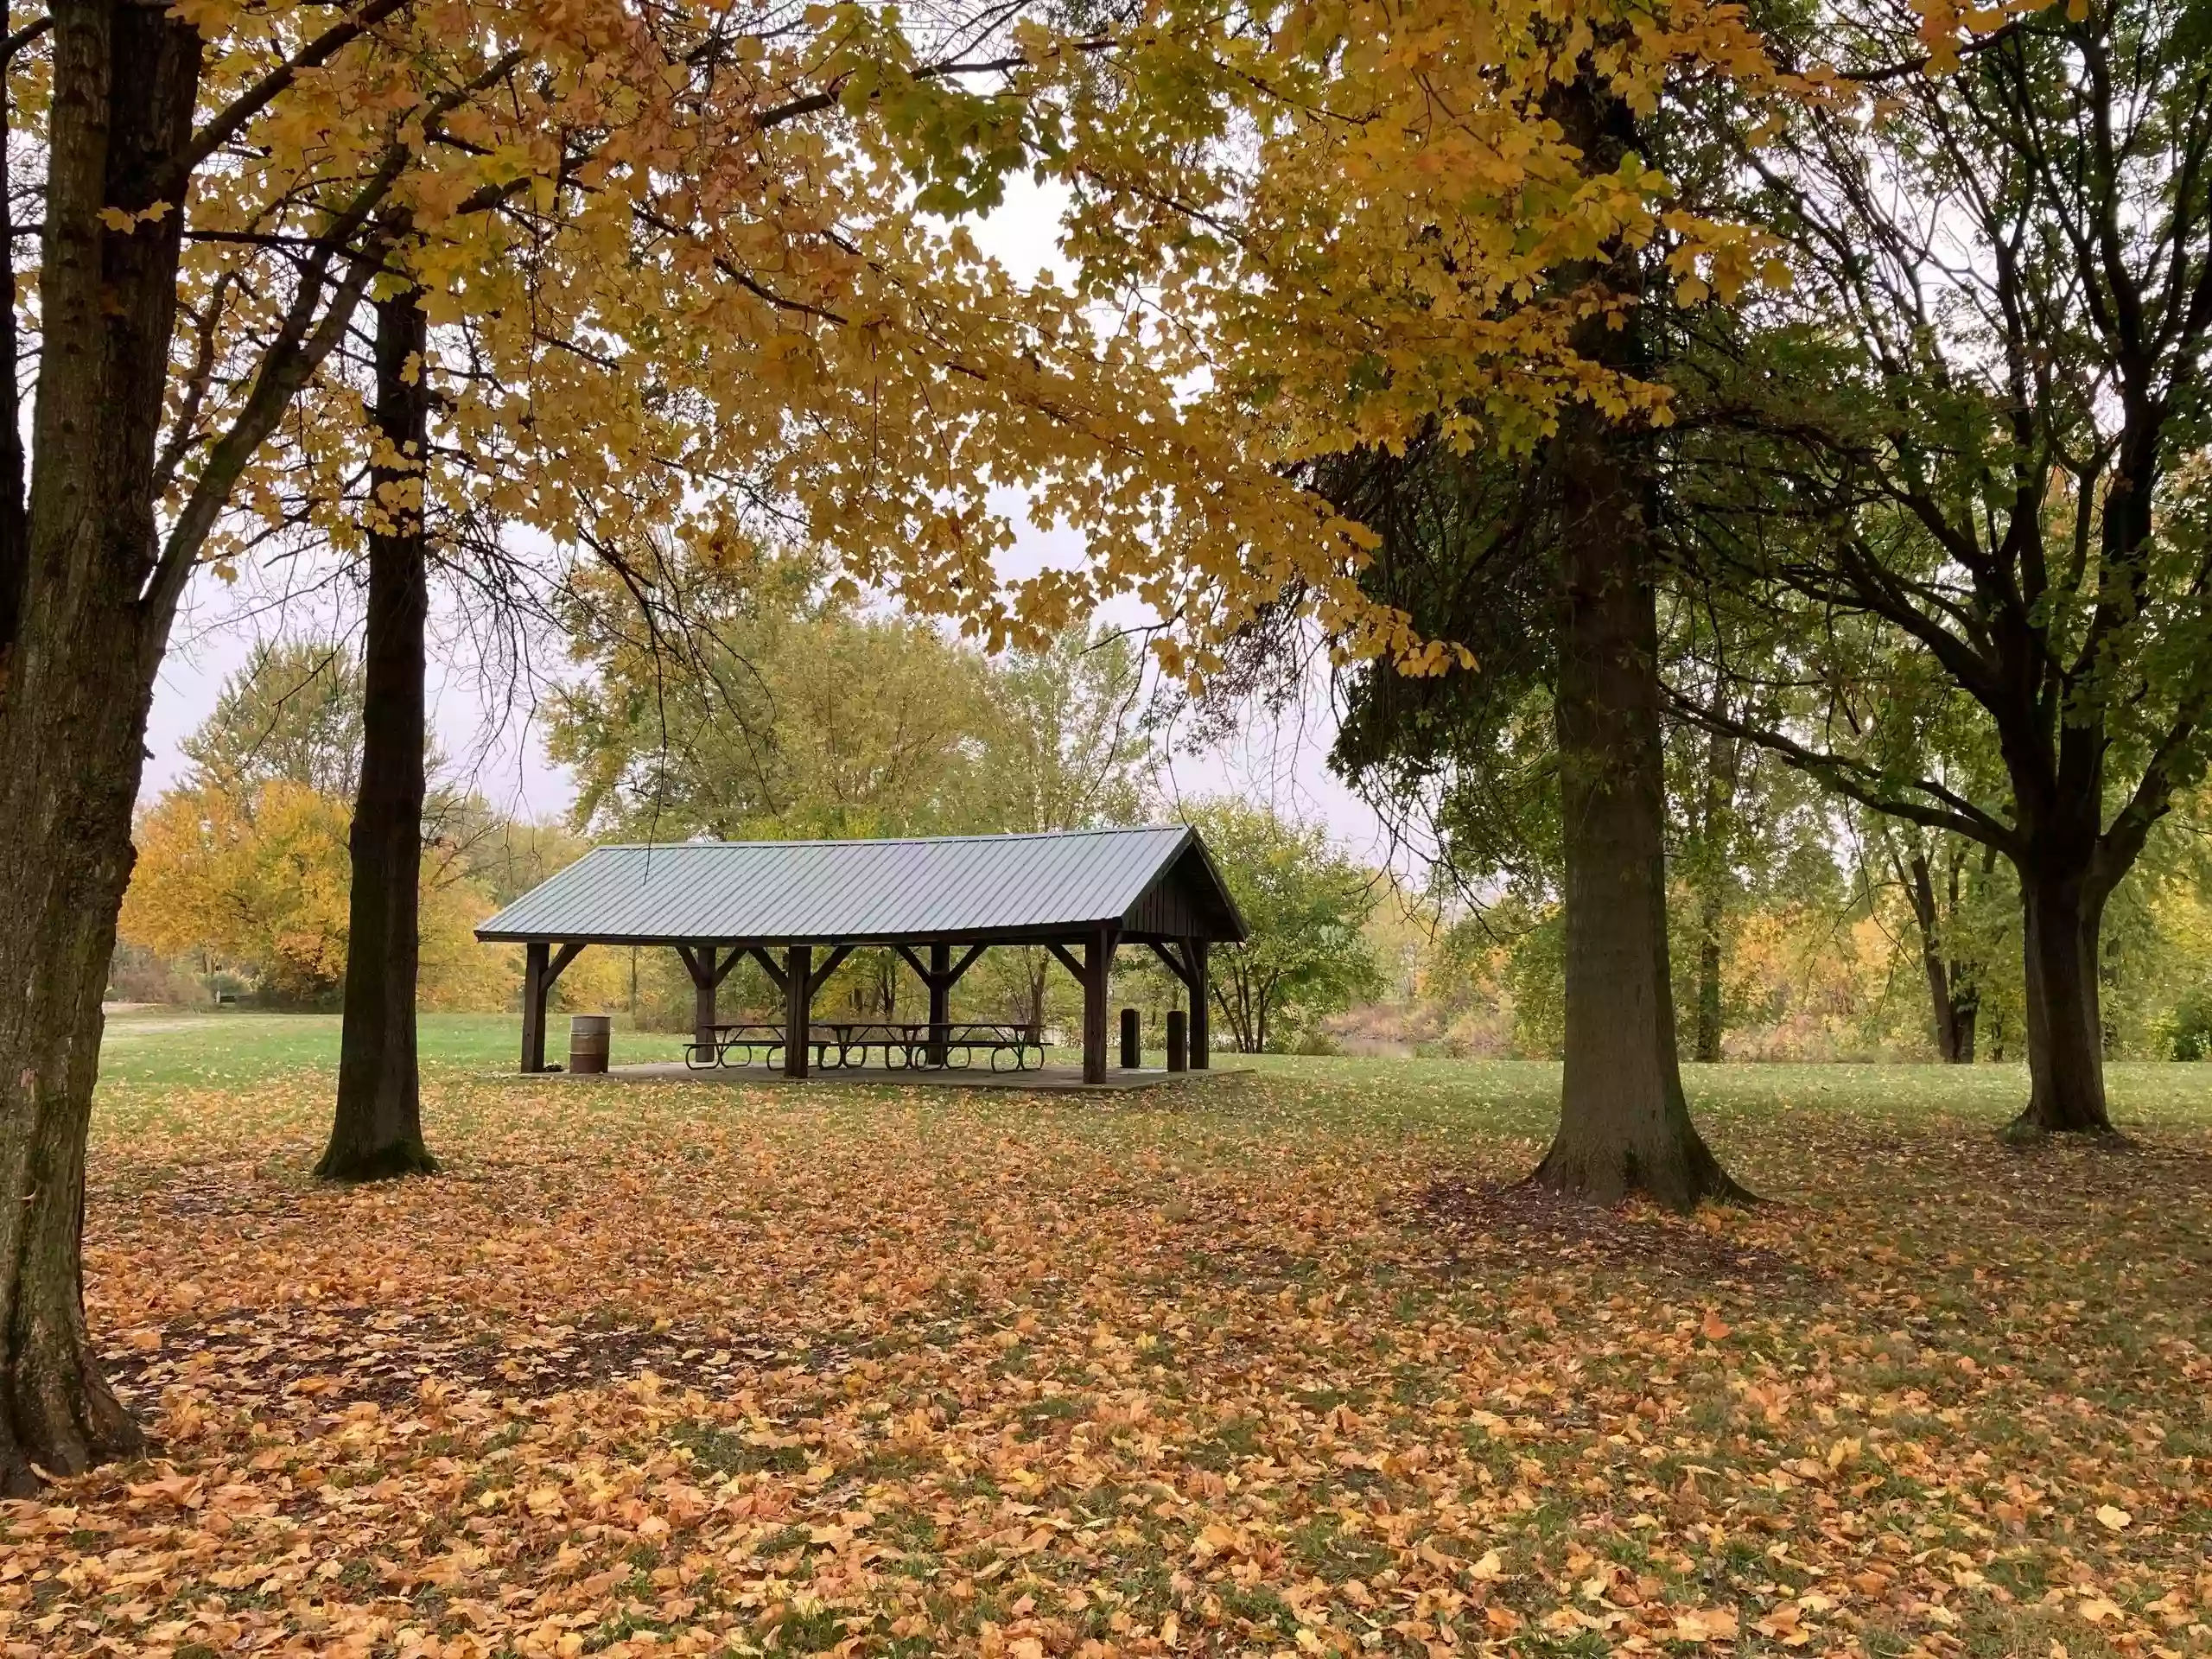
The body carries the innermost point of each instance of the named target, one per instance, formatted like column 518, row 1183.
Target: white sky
column 485, row 721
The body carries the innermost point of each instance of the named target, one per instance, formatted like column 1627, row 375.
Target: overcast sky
column 485, row 714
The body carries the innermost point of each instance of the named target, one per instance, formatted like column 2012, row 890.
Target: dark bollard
column 1132, row 1047
column 1179, row 1040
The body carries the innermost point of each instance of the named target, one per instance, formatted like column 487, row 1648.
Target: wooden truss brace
column 1176, row 964
column 829, row 965
column 951, row 975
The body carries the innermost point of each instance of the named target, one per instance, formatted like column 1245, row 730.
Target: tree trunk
column 1723, row 774
column 1036, row 964
column 85, row 641
column 1708, row 977
column 378, row 1130
column 1934, row 961
column 2066, row 1076
column 1623, row 1127
column 1944, row 1014
column 15, row 522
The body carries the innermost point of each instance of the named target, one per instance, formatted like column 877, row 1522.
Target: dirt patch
column 1512, row 1223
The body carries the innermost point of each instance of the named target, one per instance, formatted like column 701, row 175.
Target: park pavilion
column 798, row 908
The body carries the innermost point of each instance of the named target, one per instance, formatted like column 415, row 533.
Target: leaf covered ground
column 1277, row 1366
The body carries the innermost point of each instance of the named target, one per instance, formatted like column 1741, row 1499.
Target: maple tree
column 1441, row 230
column 257, row 882
column 376, row 1120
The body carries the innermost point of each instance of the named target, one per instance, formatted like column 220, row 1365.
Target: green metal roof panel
column 823, row 891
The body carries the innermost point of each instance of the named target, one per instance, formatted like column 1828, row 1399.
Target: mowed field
column 1278, row 1363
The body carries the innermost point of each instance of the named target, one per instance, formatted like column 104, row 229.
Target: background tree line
column 1799, row 923
column 788, row 714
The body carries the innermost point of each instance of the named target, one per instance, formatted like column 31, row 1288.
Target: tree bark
column 1708, row 1049
column 2066, row 1080
column 1928, row 920
column 85, row 640
column 1624, row 1126
column 15, row 523
column 377, row 1131
column 1723, row 773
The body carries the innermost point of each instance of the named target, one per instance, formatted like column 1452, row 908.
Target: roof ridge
column 1010, row 886
column 895, row 841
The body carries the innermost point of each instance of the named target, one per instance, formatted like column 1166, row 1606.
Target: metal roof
column 965, row 888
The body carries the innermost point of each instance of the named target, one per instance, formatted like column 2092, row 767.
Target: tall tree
column 1305, row 904
column 1373, row 270
column 1066, row 748
column 786, row 714
column 1942, row 877
column 1624, row 1124
column 377, row 1127
column 293, row 712
column 1966, row 430
column 90, row 612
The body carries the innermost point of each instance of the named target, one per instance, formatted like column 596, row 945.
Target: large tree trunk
column 2066, row 1076
column 14, row 521
column 1624, row 1126
column 78, row 671
column 377, row 1128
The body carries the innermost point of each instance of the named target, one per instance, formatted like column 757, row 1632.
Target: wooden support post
column 704, row 980
column 1179, row 1040
column 940, row 984
column 1201, row 1012
column 1132, row 1040
column 534, row 986
column 1098, row 973
column 798, row 1009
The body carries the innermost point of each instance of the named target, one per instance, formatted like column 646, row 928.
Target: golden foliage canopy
column 258, row 882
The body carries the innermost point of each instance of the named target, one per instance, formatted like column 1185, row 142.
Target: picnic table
column 919, row 1047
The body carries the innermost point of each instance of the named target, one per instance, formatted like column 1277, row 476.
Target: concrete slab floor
column 1046, row 1080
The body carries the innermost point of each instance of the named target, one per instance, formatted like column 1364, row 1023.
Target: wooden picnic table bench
column 903, row 1046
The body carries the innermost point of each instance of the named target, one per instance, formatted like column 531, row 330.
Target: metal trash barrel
column 1179, row 1040
column 589, row 1036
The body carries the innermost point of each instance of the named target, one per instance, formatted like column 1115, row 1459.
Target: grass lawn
column 1275, row 1364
